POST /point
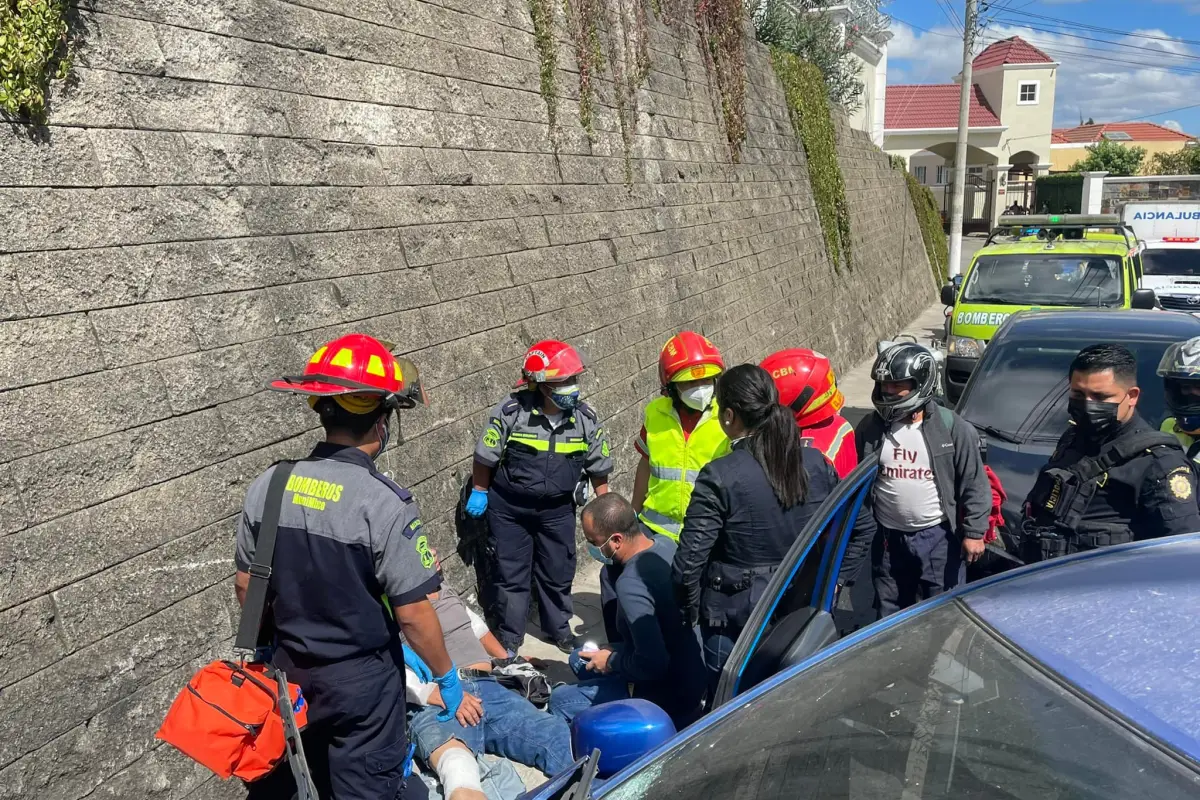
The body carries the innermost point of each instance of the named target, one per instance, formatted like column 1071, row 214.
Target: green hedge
column 1058, row 194
column 929, row 217
column 34, row 49
column 808, row 106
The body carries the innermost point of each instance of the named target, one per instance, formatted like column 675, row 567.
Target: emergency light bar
column 1181, row 239
column 1060, row 220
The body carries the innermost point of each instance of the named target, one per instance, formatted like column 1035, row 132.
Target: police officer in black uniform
column 1113, row 478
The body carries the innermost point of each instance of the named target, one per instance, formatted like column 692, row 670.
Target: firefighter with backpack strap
column 337, row 553
column 1112, row 478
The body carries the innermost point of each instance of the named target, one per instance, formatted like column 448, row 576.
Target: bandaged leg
column 458, row 771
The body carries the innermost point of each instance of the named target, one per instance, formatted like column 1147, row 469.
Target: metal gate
column 977, row 204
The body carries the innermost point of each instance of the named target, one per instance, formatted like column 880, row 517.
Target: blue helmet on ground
column 623, row 731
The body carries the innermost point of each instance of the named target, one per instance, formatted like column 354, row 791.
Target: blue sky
column 1119, row 59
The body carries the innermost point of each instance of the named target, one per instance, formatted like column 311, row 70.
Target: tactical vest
column 1054, row 524
column 675, row 463
column 1191, row 444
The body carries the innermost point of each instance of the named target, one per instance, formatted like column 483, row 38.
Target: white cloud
column 1173, row 125
column 1092, row 80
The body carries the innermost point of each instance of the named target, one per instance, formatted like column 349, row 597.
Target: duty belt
column 723, row 583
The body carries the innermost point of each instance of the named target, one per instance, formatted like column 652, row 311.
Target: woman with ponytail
column 746, row 510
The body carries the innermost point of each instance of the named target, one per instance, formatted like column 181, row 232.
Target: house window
column 1027, row 93
column 941, row 174
column 920, row 173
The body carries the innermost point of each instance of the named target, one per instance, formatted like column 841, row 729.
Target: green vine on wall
column 929, row 218
column 808, row 107
column 722, row 41
column 34, row 49
column 613, row 35
column 542, row 14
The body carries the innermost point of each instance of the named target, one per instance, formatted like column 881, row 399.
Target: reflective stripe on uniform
column 835, row 446
column 661, row 523
column 535, row 442
column 675, row 462
column 672, row 474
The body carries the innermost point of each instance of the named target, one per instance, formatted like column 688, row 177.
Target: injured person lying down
column 492, row 718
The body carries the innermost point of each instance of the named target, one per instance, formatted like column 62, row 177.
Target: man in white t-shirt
column 931, row 498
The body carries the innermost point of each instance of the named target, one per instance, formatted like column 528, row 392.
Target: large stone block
column 40, row 350
column 225, row 319
column 118, row 597
column 148, row 332
column 54, row 414
column 31, row 637
column 77, row 476
column 207, row 378
column 86, row 542
column 111, row 670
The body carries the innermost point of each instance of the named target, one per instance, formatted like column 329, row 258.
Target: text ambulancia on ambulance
column 1171, row 258
column 1033, row 262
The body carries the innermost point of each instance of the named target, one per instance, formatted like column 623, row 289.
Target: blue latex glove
column 452, row 694
column 477, row 503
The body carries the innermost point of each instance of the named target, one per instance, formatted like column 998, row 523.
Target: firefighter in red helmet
column 808, row 387
column 345, row 534
column 539, row 445
column 680, row 434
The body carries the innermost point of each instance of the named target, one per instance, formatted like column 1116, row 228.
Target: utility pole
column 960, row 150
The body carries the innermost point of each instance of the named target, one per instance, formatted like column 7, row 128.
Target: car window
column 1045, row 279
column 1020, row 388
column 929, row 709
column 1171, row 262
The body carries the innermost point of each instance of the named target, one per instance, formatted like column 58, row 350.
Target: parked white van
column 1170, row 231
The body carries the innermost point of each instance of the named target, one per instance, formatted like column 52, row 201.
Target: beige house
column 871, row 54
column 1011, row 120
column 1069, row 145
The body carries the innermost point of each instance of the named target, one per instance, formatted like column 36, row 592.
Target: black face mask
column 1094, row 419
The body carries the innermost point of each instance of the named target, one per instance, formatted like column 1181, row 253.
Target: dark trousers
column 538, row 540
column 718, row 646
column 356, row 741
column 911, row 567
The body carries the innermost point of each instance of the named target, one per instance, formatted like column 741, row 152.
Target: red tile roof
column 1137, row 131
column 1013, row 50
column 933, row 105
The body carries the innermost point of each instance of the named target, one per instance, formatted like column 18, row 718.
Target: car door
column 794, row 618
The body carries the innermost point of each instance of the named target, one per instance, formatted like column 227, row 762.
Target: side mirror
column 623, row 731
column 949, row 294
column 1144, row 299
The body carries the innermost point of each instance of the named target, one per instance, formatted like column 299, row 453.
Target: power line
column 1072, row 35
column 1072, row 24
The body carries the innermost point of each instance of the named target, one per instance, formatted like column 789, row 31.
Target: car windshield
column 1171, row 262
column 932, row 708
column 1043, row 278
column 1020, row 388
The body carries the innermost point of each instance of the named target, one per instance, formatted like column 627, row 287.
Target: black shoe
column 567, row 644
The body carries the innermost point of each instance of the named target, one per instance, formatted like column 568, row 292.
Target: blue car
column 1077, row 678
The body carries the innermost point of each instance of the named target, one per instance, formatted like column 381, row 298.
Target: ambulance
column 1038, row 262
column 1170, row 231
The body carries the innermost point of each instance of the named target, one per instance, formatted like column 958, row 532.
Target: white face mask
column 697, row 397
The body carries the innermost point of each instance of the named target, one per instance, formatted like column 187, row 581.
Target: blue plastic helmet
column 623, row 731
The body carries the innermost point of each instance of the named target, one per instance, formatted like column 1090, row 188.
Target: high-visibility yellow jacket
column 1186, row 439
column 676, row 462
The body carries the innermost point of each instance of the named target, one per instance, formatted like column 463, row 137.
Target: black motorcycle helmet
column 1180, row 366
column 903, row 362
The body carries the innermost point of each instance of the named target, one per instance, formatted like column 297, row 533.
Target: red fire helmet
column 688, row 356
column 806, row 384
column 361, row 372
column 550, row 361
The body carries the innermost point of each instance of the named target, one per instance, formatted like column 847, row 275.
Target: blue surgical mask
column 385, row 433
column 565, row 397
column 598, row 554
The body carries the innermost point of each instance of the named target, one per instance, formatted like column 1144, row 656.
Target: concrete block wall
column 231, row 183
